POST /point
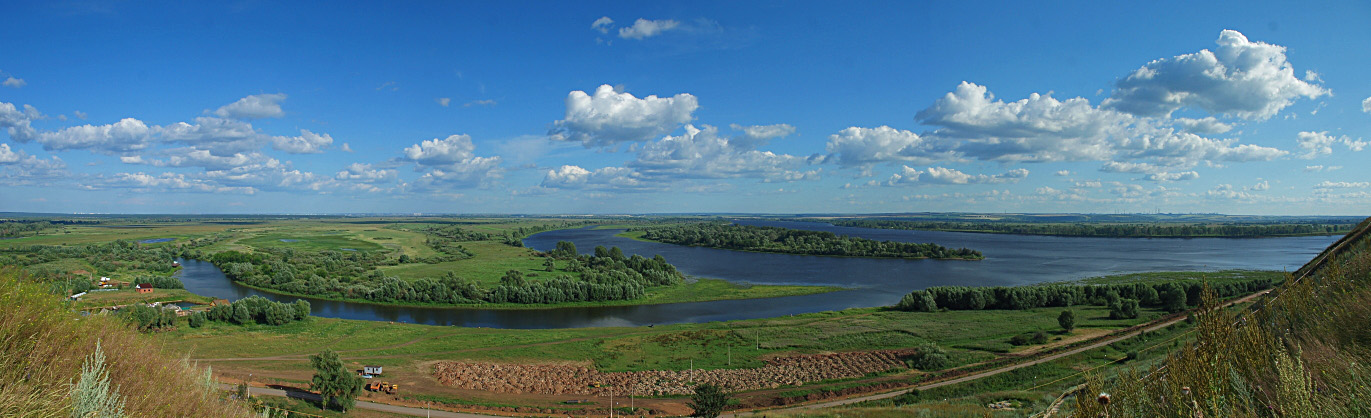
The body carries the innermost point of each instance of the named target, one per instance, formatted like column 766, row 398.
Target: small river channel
column 1010, row 260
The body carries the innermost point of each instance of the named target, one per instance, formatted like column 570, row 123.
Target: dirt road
column 987, row 373
column 394, row 409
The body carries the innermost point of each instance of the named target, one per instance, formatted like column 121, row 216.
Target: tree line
column 1135, row 230
column 1122, row 299
column 772, row 239
column 606, row 275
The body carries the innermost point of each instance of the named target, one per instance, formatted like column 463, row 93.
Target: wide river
column 1009, row 260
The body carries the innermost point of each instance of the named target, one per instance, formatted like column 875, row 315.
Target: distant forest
column 1131, row 230
column 794, row 241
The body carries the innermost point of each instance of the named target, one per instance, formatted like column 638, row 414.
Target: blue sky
column 655, row 107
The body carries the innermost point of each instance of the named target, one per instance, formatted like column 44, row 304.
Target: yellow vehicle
column 392, row 389
column 596, row 385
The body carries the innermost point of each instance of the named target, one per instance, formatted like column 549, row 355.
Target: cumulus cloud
column 307, row 143
column 19, row 165
column 219, row 135
column 1043, row 129
column 1366, row 105
column 14, row 82
column 443, row 101
column 703, row 153
column 364, row 173
column 856, row 146
column 1262, row 186
column 759, row 135
column 256, row 106
column 167, row 182
column 451, row 162
column 1240, row 78
column 1342, row 184
column 486, row 102
column 644, row 28
column 127, row 135
column 1316, row 144
column 603, row 24
column 17, row 121
column 575, row 177
column 943, row 175
column 1063, row 173
column 1165, row 176
column 454, row 148
column 608, row 117
column 1204, row 126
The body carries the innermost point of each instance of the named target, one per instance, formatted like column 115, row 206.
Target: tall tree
column 708, row 401
column 1067, row 320
column 333, row 381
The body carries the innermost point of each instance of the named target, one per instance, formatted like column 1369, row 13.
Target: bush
column 1067, row 320
column 1123, row 309
column 929, row 357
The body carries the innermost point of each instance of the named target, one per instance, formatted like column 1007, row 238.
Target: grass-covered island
column 770, row 239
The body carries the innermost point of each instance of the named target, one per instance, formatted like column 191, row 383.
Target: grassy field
column 310, row 242
column 100, row 299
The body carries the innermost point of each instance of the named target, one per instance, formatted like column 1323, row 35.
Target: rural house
column 143, row 288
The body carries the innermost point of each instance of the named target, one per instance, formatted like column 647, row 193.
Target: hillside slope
column 43, row 346
column 1303, row 351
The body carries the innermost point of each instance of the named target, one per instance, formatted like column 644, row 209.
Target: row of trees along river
column 1173, row 296
column 1141, row 230
column 770, row 239
column 606, row 275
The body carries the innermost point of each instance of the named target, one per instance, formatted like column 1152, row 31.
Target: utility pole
column 611, row 402
column 730, row 355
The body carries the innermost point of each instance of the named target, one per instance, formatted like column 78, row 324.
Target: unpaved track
column 394, row 409
column 987, row 373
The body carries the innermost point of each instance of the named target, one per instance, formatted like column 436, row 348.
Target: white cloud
column 1342, row 184
column 575, row 177
column 219, row 135
column 759, row 135
column 443, row 101
column 856, row 146
column 307, row 143
column 1312, row 76
column 702, row 153
column 1366, row 105
column 603, row 24
column 1204, row 126
column 127, row 135
column 20, row 166
column 168, row 182
column 1165, row 176
column 14, row 82
column 1249, row 80
column 1044, row 129
column 486, row 102
column 643, row 28
column 453, row 149
column 943, row 175
column 360, row 172
column 451, row 162
column 1316, row 144
column 1063, row 173
column 79, row 114
column 1264, row 185
column 608, row 117
column 256, row 106
column 346, row 147
column 17, row 122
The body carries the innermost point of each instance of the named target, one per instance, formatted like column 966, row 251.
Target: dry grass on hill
column 43, row 345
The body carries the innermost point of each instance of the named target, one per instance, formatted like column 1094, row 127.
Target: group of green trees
column 795, row 241
column 249, row 310
column 20, row 228
column 1120, row 230
column 259, row 310
column 122, row 255
column 1122, row 299
column 606, row 275
column 447, row 240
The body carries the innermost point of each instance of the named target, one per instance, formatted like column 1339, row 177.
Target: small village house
column 143, row 288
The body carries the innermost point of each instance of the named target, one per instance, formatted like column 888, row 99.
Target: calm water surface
column 1010, row 260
